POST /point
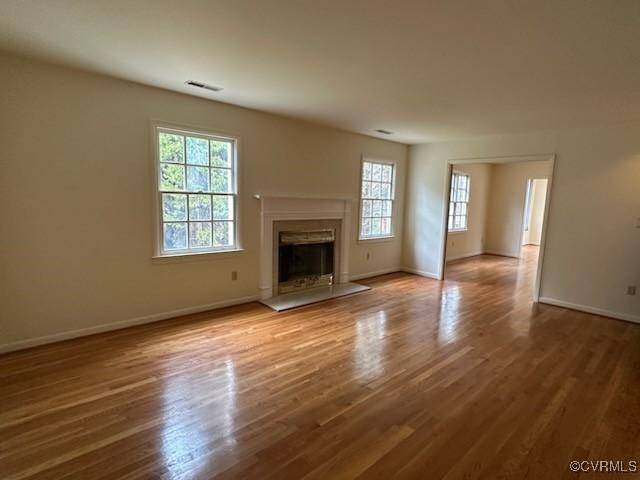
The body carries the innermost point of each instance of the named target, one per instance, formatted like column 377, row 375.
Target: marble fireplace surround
column 303, row 213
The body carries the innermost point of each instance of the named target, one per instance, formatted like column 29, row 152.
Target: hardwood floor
column 413, row 379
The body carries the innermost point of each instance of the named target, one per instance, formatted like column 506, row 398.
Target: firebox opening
column 305, row 259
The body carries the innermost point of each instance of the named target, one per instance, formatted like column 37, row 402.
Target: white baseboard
column 501, row 254
column 422, row 273
column 464, row 255
column 82, row 332
column 588, row 309
column 384, row 271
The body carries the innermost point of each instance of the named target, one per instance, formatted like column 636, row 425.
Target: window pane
column 220, row 154
column 386, row 173
column 199, row 234
column 366, row 171
column 375, row 190
column 221, row 180
column 450, row 222
column 366, row 227
column 171, row 148
column 171, row 177
column 462, row 209
column 385, row 190
column 366, row 189
column 385, row 226
column 175, row 236
column 222, row 207
column 463, row 222
column 366, row 208
column 222, row 234
column 376, row 172
column 197, row 179
column 377, row 208
column 457, row 223
column 461, row 196
column 197, row 151
column 375, row 227
column 199, row 207
column 462, row 182
column 174, row 207
column 388, row 208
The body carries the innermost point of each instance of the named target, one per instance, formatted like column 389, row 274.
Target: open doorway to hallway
column 533, row 218
column 534, row 211
column 496, row 215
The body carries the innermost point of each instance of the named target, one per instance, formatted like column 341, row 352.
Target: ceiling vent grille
column 194, row 83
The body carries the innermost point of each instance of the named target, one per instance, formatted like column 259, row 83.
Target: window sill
column 460, row 230
column 388, row 238
column 195, row 257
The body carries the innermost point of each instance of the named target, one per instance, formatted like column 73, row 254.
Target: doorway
column 496, row 208
column 534, row 211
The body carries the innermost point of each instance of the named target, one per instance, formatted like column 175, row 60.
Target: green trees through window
column 376, row 204
column 197, row 191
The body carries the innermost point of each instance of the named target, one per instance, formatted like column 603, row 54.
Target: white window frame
column 453, row 194
column 361, row 179
column 159, row 252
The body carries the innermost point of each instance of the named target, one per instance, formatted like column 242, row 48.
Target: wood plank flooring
column 414, row 379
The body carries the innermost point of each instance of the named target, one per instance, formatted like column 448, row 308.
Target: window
column 458, row 202
column 376, row 204
column 196, row 192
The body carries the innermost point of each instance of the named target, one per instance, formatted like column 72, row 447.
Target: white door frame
column 550, row 157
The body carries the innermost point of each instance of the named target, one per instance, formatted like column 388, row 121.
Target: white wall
column 471, row 242
column 76, row 198
column 592, row 244
column 533, row 234
column 506, row 209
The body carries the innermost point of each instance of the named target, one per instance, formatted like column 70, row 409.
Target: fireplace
column 304, row 250
column 305, row 259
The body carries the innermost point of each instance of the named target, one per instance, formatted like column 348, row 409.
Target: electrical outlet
column 234, row 275
column 631, row 289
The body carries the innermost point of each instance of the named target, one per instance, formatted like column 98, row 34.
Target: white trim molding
column 107, row 327
column 421, row 273
column 588, row 309
column 384, row 271
column 464, row 255
column 501, row 254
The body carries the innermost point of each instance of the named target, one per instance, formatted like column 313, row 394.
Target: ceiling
column 425, row 70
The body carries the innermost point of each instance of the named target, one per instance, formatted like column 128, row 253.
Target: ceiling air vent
column 193, row 83
column 384, row 132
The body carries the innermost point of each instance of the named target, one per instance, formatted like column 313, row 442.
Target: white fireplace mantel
column 282, row 207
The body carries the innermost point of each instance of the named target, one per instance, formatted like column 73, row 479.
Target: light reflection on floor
column 187, row 425
column 449, row 315
column 369, row 348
